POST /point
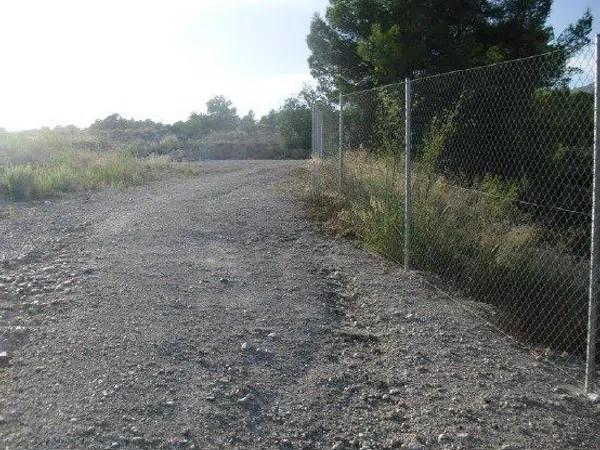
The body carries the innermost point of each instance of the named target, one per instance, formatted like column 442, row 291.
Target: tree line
column 287, row 127
column 282, row 133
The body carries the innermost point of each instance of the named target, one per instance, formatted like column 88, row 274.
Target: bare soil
column 209, row 312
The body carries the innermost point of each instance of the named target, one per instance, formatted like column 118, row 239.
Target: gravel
column 209, row 312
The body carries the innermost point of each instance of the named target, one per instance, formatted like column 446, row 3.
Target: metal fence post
column 314, row 131
column 341, row 144
column 313, row 147
column 407, row 172
column 314, row 150
column 320, row 133
column 590, row 369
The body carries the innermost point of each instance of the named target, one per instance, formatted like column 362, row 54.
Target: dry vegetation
column 28, row 175
column 477, row 240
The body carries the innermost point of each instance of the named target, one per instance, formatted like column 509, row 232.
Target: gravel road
column 209, row 312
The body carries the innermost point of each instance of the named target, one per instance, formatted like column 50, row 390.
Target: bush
column 233, row 145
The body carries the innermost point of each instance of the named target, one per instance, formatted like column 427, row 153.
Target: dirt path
column 210, row 313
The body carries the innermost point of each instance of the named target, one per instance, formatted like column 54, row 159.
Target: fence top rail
column 467, row 70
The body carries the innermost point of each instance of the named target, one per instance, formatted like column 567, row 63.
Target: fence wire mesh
column 325, row 141
column 501, row 189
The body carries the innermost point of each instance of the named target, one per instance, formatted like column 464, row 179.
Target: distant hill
column 589, row 88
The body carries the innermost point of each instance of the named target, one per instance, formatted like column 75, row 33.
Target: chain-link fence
column 495, row 197
column 325, row 145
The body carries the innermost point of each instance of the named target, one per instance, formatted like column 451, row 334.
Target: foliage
column 221, row 114
column 284, row 133
column 248, row 122
column 364, row 43
column 294, row 120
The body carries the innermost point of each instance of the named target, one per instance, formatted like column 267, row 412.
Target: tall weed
column 71, row 171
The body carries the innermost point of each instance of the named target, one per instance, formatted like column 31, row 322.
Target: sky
column 72, row 61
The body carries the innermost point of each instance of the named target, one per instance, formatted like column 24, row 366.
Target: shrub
column 232, row 145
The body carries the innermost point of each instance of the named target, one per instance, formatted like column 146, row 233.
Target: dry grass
column 477, row 240
column 70, row 171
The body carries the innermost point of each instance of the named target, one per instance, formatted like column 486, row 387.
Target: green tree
column 269, row 121
column 294, row 118
column 248, row 122
column 221, row 114
column 195, row 127
column 294, row 123
column 364, row 43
